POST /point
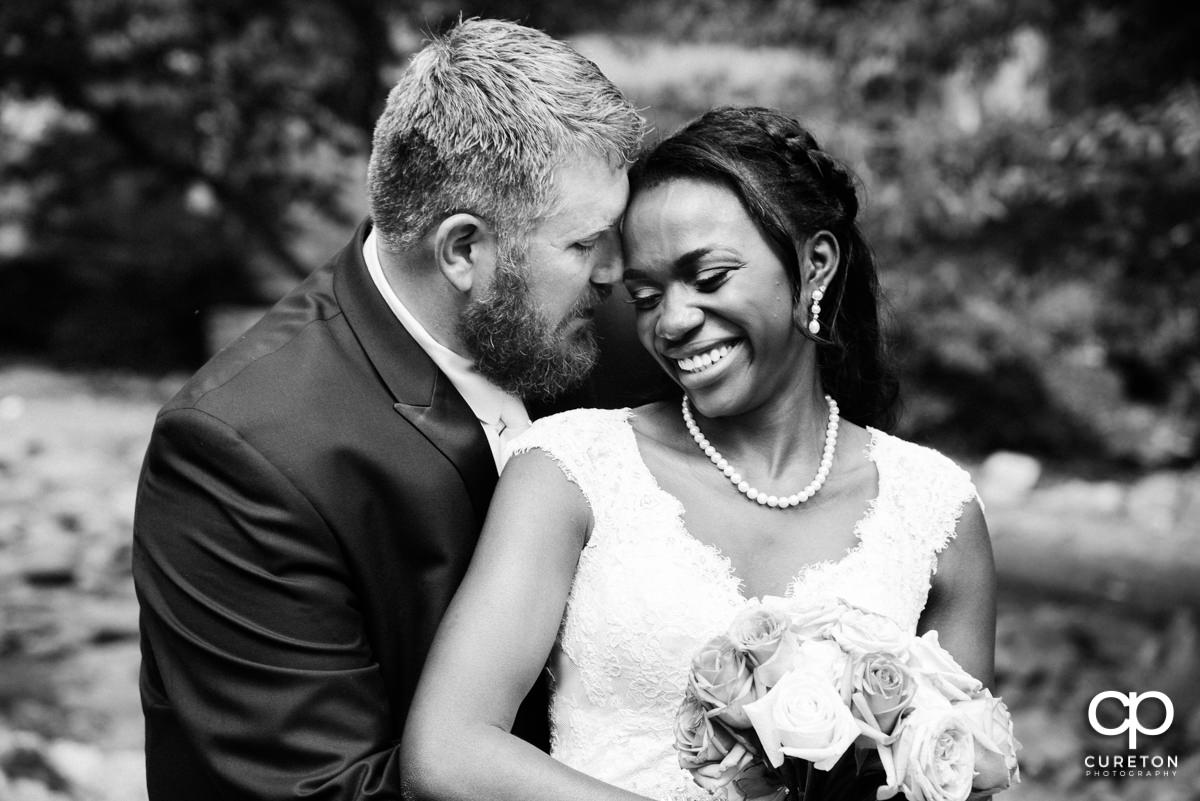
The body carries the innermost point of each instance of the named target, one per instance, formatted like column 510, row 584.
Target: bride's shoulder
column 583, row 443
column 577, row 429
column 580, row 420
column 917, row 462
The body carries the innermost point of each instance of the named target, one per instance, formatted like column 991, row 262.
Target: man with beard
column 310, row 499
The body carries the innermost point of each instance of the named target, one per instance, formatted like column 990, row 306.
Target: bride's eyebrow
column 689, row 263
column 685, row 264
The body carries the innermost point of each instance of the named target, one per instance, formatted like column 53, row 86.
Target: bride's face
column 713, row 301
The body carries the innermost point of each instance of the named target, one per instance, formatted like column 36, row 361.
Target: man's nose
column 610, row 263
column 678, row 316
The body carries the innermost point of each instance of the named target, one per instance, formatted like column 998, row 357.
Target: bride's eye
column 643, row 299
column 710, row 280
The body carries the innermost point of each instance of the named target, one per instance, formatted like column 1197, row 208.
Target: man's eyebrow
column 615, row 224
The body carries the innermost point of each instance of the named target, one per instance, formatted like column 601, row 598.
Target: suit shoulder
column 268, row 357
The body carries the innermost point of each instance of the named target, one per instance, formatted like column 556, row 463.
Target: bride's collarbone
column 768, row 547
column 758, row 539
column 818, row 528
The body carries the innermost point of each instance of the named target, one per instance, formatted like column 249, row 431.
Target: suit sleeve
column 251, row 624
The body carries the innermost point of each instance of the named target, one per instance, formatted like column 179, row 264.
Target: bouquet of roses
column 790, row 688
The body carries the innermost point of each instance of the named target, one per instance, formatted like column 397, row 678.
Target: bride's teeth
column 702, row 361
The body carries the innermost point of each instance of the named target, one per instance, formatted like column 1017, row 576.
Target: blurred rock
column 33, row 768
column 1076, row 496
column 1188, row 519
column 97, row 774
column 1006, row 478
column 11, row 407
column 48, row 557
column 97, row 692
column 25, row 769
column 1154, row 502
column 1048, row 742
column 106, row 620
column 22, row 789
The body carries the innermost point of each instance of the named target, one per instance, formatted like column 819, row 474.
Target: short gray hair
column 478, row 123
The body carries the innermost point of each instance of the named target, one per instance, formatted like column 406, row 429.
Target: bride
column 620, row 541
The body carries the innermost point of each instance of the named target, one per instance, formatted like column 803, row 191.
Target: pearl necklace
column 762, row 498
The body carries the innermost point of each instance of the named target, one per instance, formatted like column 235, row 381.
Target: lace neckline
column 733, row 581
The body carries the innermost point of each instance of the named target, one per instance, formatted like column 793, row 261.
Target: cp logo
column 1132, row 724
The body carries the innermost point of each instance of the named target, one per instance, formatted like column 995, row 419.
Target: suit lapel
column 420, row 392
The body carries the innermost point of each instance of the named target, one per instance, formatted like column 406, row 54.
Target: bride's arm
column 493, row 643
column 962, row 598
column 962, row 608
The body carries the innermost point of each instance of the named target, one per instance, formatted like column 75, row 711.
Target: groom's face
column 532, row 328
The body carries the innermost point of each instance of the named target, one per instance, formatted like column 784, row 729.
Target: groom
column 311, row 497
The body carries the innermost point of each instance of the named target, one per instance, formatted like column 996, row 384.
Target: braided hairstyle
column 792, row 189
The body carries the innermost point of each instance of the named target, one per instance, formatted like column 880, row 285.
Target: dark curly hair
column 793, row 189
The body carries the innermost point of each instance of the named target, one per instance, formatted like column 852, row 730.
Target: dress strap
column 585, row 444
column 928, row 492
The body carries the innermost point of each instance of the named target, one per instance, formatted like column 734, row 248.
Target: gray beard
column 517, row 348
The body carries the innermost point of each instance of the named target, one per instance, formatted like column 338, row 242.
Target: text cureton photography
column 1126, row 765
column 1123, row 710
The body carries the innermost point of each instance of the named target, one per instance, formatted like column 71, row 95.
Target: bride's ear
column 820, row 258
column 464, row 249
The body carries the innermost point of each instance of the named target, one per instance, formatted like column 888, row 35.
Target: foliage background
column 1032, row 172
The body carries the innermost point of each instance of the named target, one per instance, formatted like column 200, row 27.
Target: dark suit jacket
column 308, row 504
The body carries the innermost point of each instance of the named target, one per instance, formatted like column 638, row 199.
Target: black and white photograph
column 634, row 400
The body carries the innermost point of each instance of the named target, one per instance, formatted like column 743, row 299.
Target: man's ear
column 464, row 248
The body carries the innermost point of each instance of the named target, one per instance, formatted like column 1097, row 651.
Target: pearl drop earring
column 814, row 324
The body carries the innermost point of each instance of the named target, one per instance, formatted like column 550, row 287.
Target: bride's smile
column 701, row 361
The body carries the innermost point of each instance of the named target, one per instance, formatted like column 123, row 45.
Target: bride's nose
column 678, row 316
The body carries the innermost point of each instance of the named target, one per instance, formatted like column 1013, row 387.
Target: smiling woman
column 730, row 184
column 714, row 302
column 628, row 537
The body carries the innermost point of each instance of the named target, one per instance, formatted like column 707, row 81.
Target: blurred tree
column 162, row 156
column 1076, row 219
column 1032, row 172
column 170, row 148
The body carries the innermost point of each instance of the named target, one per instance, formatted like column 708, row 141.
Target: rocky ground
column 70, row 725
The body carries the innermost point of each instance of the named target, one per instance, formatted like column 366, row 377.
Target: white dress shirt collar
column 497, row 411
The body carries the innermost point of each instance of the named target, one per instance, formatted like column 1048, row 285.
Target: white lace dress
column 647, row 594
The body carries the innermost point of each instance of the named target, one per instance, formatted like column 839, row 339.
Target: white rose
column 762, row 633
column 723, row 680
column 882, row 687
column 995, row 744
column 932, row 759
column 931, row 662
column 824, row 658
column 811, row 620
column 803, row 716
column 861, row 632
